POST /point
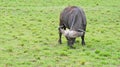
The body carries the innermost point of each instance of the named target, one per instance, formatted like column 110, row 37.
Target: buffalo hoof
column 71, row 47
column 59, row 41
column 83, row 43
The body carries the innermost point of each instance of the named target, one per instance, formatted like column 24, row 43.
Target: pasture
column 29, row 34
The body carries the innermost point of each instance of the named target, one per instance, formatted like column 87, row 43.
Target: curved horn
column 74, row 34
column 71, row 33
column 64, row 32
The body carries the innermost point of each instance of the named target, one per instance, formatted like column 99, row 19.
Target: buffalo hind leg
column 83, row 41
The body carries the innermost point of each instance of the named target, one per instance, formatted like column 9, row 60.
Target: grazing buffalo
column 74, row 19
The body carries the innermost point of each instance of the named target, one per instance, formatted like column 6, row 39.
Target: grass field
column 29, row 34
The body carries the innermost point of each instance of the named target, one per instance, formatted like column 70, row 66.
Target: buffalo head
column 71, row 35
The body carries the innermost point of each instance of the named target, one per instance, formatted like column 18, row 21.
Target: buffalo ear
column 80, row 33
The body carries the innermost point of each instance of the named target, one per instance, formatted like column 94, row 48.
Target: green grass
column 29, row 34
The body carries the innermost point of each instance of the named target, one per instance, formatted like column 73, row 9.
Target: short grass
column 29, row 34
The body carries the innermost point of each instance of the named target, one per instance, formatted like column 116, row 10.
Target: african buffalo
column 73, row 18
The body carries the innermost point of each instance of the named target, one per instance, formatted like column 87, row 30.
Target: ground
column 29, row 34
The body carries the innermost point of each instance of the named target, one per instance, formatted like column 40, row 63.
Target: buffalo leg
column 83, row 41
column 60, row 35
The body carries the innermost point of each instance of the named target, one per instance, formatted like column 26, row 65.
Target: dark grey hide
column 74, row 19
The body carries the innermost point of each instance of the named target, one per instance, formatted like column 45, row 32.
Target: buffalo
column 72, row 25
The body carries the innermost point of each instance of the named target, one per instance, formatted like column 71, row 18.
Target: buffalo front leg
column 83, row 41
column 60, row 35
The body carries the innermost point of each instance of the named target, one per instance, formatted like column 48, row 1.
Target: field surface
column 29, row 34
